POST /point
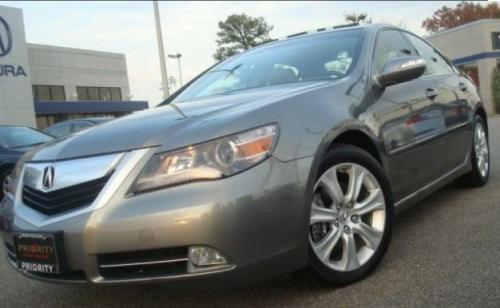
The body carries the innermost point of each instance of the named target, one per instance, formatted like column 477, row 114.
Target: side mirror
column 400, row 70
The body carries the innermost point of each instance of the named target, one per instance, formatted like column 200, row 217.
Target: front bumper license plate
column 37, row 253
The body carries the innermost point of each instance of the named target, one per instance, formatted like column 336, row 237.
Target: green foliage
column 495, row 88
column 240, row 32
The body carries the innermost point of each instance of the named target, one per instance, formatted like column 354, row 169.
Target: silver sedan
column 294, row 154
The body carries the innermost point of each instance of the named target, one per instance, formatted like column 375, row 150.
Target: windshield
column 20, row 137
column 327, row 56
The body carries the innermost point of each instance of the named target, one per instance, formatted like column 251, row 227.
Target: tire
column 335, row 268
column 3, row 175
column 478, row 176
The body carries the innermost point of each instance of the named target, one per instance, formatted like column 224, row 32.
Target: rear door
column 452, row 98
column 412, row 124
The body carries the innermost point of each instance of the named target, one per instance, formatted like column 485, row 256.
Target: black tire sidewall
column 351, row 154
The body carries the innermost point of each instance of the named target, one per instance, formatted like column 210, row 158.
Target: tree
column 464, row 12
column 240, row 32
column 356, row 18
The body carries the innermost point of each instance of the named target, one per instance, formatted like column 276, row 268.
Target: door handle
column 431, row 93
column 462, row 86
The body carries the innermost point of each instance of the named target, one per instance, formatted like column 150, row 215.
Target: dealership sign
column 6, row 39
column 6, row 43
column 11, row 70
column 16, row 93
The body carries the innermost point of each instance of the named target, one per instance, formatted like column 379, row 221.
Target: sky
column 189, row 28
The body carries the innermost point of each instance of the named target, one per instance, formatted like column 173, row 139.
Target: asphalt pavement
column 445, row 252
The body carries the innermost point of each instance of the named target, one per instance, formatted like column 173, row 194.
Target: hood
column 155, row 126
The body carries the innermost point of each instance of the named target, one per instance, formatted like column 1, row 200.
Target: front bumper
column 258, row 219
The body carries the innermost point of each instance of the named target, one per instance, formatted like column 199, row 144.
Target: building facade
column 41, row 85
column 16, row 98
column 82, row 78
column 474, row 48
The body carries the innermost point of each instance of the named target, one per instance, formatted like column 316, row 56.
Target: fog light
column 206, row 256
column 203, row 258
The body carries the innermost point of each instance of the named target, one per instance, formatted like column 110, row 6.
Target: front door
column 453, row 98
column 411, row 123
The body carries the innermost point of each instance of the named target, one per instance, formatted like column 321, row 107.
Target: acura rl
column 294, row 154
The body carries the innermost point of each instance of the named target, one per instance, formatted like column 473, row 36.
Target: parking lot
column 444, row 252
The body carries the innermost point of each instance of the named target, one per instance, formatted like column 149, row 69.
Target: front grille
column 64, row 199
column 144, row 264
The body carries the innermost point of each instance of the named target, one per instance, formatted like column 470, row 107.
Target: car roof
column 372, row 27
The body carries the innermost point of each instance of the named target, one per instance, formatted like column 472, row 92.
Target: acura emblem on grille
column 48, row 177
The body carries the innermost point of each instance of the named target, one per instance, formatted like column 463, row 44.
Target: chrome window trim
column 124, row 166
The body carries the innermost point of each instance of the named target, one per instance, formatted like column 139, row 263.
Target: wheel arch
column 480, row 111
column 358, row 139
column 355, row 136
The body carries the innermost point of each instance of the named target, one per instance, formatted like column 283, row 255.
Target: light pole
column 178, row 57
column 163, row 66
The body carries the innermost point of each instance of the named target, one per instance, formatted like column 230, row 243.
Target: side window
column 390, row 44
column 436, row 64
column 78, row 126
column 60, row 130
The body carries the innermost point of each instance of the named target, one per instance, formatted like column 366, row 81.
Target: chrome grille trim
column 143, row 263
column 69, row 173
column 159, row 262
column 122, row 169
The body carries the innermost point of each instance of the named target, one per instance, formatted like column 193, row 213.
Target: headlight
column 209, row 160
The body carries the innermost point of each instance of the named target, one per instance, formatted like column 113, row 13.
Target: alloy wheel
column 481, row 149
column 347, row 218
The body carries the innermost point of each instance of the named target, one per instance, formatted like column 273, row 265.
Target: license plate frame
column 39, row 252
